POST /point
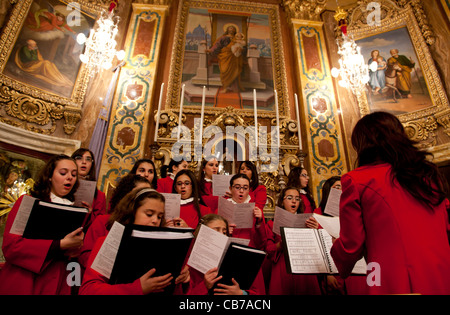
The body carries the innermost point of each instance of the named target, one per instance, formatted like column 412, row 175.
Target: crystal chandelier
column 100, row 48
column 354, row 72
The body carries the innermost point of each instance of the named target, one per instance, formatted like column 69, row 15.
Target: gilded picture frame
column 39, row 61
column 403, row 22
column 446, row 6
column 194, row 67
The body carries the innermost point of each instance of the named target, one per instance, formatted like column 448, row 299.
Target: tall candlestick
column 278, row 119
column 181, row 111
column 202, row 114
column 255, row 110
column 159, row 110
column 298, row 123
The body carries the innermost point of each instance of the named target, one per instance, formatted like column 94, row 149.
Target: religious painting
column 42, row 53
column 403, row 76
column 397, row 83
column 232, row 49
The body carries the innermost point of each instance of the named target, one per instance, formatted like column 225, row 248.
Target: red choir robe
column 98, row 208
column 278, row 281
column 307, row 203
column 384, row 223
column 353, row 285
column 257, row 237
column 256, row 234
column 259, row 196
column 211, row 201
column 96, row 284
column 164, row 185
column 97, row 230
column 189, row 214
column 32, row 266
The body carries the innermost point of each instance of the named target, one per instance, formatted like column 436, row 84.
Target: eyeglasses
column 239, row 187
column 289, row 197
column 304, row 175
column 186, row 183
column 80, row 158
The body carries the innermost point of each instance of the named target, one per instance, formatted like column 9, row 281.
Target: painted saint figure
column 230, row 64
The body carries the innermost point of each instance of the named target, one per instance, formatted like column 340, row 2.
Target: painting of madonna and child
column 396, row 84
column 46, row 53
column 230, row 54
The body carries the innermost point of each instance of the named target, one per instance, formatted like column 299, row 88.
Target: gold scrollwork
column 304, row 9
column 31, row 105
column 278, row 64
column 443, row 119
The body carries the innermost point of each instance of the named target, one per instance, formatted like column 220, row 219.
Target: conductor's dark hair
column 380, row 137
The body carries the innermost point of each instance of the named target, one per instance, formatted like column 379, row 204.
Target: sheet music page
column 305, row 253
column 172, row 205
column 243, row 215
column 360, row 267
column 163, row 235
column 106, row 257
column 328, row 242
column 208, row 249
column 220, row 184
column 237, row 240
column 330, row 224
column 85, row 192
column 23, row 213
column 332, row 206
column 285, row 218
column 226, row 209
column 332, row 227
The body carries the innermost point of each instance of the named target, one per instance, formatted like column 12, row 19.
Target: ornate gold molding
column 35, row 111
column 232, row 117
column 390, row 10
column 304, row 9
column 421, row 125
column 278, row 64
column 157, row 2
column 33, row 108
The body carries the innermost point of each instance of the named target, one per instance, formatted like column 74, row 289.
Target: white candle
column 298, row 123
column 159, row 110
column 202, row 114
column 255, row 110
column 278, row 118
column 181, row 111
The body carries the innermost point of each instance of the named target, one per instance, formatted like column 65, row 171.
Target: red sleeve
column 196, row 284
column 348, row 248
column 164, row 185
column 258, row 286
column 26, row 253
column 259, row 236
column 259, row 196
column 99, row 204
column 204, row 210
column 273, row 244
column 95, row 231
column 98, row 208
column 447, row 216
column 96, row 284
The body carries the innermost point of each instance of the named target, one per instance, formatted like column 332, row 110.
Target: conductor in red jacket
column 392, row 211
